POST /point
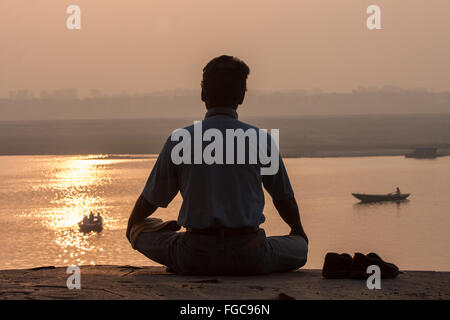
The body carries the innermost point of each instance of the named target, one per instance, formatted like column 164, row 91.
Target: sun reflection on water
column 76, row 184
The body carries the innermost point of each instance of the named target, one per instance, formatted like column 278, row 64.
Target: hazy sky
column 144, row 46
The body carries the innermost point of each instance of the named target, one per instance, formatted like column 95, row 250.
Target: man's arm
column 142, row 209
column 289, row 212
column 161, row 187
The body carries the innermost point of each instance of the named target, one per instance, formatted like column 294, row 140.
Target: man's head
column 224, row 82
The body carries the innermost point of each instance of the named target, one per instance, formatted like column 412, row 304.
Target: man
column 222, row 203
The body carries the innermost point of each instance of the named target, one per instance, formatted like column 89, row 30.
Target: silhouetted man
column 222, row 203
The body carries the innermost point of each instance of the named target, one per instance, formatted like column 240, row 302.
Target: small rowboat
column 381, row 197
column 88, row 226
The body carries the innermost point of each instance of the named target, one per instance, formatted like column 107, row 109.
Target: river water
column 43, row 197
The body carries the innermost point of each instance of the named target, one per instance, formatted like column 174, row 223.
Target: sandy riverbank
column 126, row 282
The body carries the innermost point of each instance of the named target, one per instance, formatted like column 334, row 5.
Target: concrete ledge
column 126, row 282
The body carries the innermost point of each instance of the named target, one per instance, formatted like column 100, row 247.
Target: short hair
column 224, row 81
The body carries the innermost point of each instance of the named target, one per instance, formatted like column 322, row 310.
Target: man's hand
column 300, row 233
column 142, row 209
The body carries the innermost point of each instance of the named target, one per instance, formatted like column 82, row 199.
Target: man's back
column 225, row 192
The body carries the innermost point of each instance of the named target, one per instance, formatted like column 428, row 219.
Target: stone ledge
column 127, row 282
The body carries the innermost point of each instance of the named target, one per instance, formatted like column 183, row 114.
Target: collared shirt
column 228, row 195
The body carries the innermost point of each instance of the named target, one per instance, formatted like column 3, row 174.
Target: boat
column 423, row 153
column 381, row 197
column 87, row 225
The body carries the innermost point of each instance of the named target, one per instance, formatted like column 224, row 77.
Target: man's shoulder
column 190, row 129
column 245, row 125
column 231, row 123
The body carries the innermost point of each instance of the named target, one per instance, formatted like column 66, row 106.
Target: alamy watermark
column 236, row 151
column 73, row 21
column 374, row 20
column 74, row 280
column 374, row 280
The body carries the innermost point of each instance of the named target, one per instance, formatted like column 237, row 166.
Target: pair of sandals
column 343, row 266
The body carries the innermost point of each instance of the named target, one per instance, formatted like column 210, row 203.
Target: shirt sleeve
column 278, row 184
column 162, row 185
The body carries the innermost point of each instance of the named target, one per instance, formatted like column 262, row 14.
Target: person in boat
column 222, row 206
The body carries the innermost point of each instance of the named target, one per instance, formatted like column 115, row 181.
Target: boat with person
column 394, row 196
column 91, row 223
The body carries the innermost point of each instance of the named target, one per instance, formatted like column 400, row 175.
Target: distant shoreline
column 307, row 137
column 323, row 154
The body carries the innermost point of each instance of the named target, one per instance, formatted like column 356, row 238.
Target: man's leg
column 285, row 253
column 159, row 246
